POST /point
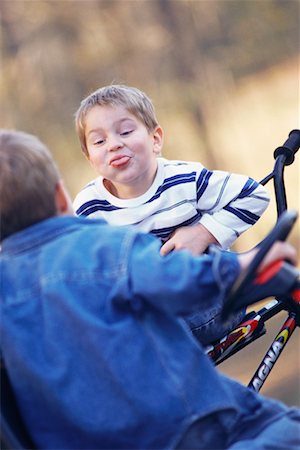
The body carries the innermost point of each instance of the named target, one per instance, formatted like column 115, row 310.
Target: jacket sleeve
column 229, row 203
column 178, row 283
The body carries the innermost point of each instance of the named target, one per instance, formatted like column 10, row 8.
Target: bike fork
column 273, row 353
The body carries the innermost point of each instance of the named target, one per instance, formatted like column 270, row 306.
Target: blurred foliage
column 191, row 57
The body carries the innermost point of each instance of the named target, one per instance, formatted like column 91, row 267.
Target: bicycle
column 281, row 280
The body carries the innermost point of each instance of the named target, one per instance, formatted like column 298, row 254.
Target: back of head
column 28, row 180
column 131, row 98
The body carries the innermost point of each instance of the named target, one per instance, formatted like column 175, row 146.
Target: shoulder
column 175, row 166
column 87, row 193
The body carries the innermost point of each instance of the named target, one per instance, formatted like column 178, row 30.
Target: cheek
column 142, row 147
column 95, row 157
column 92, row 161
column 95, row 161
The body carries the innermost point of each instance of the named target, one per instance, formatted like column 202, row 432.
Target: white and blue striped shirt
column 182, row 193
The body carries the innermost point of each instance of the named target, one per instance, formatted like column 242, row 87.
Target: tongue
column 120, row 161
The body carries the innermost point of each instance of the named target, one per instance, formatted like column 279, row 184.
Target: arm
column 230, row 204
column 181, row 283
column 178, row 283
column 195, row 238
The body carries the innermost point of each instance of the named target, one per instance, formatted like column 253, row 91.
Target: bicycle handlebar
column 237, row 297
column 284, row 156
column 289, row 148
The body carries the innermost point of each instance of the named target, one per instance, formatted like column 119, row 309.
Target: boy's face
column 122, row 150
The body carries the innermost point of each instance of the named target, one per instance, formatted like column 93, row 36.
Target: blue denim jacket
column 92, row 338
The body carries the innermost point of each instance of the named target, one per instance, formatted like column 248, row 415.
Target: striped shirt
column 182, row 193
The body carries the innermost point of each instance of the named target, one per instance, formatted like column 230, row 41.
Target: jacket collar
column 39, row 233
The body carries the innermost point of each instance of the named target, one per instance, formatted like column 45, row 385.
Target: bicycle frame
column 253, row 325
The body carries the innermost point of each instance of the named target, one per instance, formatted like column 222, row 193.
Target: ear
column 158, row 139
column 62, row 199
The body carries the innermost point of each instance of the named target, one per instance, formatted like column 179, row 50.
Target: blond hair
column 28, row 180
column 134, row 100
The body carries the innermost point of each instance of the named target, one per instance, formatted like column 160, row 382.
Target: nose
column 114, row 142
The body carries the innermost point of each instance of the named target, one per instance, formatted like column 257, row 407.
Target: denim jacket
column 92, row 338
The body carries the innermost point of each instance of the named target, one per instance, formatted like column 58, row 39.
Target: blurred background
column 224, row 78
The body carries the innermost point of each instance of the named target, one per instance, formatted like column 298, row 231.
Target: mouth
column 119, row 161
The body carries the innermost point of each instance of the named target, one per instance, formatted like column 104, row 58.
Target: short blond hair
column 134, row 100
column 28, row 180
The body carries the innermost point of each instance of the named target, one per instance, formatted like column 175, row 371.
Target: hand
column 280, row 250
column 195, row 238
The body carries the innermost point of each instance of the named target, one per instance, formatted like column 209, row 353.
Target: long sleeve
column 229, row 203
column 178, row 283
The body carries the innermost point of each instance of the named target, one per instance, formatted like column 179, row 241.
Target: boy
column 90, row 335
column 182, row 203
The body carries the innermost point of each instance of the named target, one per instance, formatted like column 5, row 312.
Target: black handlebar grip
column 289, row 148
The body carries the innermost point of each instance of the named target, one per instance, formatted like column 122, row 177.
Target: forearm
column 195, row 238
column 229, row 222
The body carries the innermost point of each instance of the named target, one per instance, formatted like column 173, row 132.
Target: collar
column 39, row 233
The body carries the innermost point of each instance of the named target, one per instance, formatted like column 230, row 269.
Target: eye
column 99, row 142
column 126, row 133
